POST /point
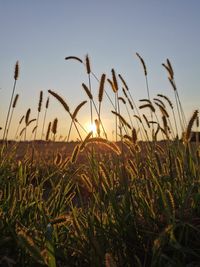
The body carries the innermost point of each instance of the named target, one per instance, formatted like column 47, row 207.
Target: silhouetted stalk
column 13, row 107
column 38, row 114
column 95, row 107
column 100, row 97
column 20, row 121
column 27, row 116
column 87, row 64
column 54, row 128
column 147, row 87
column 70, row 128
column 142, row 133
column 180, row 111
column 16, row 75
column 66, row 107
column 171, row 106
column 179, row 115
column 124, row 102
column 45, row 114
column 93, row 74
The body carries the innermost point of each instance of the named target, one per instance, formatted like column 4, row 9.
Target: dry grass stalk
column 166, row 127
column 190, row 125
column 47, row 103
column 122, row 99
column 83, row 144
column 137, row 117
column 167, row 99
column 75, row 58
column 97, row 124
column 172, row 84
column 157, row 131
column 54, row 126
column 112, row 85
column 60, row 220
column 122, row 119
column 143, row 64
column 128, row 137
column 13, row 107
column 77, row 109
column 40, row 101
column 123, row 81
column 39, row 110
column 16, row 73
column 146, row 100
column 15, row 101
column 89, row 94
column 169, row 69
column 65, row 163
column 133, row 167
column 197, row 121
column 179, row 167
column 160, row 102
column 27, row 116
column 134, row 136
column 148, row 106
column 21, row 119
column 115, row 83
column 104, row 172
column 31, row 121
column 163, row 110
column 130, row 104
column 86, row 182
column 75, row 154
column 45, row 114
column 87, row 63
column 124, row 92
column 60, row 99
column 22, row 131
column 105, row 142
column 48, row 132
column 34, row 129
column 147, row 122
column 171, row 202
column 101, row 87
column 58, row 159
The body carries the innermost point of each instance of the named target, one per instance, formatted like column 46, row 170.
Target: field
column 131, row 201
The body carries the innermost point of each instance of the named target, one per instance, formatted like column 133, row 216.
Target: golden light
column 91, row 127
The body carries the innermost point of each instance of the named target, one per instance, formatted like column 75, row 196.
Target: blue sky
column 41, row 33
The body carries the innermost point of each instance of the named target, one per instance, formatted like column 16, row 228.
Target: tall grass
column 99, row 202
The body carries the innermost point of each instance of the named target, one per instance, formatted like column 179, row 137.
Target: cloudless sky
column 41, row 33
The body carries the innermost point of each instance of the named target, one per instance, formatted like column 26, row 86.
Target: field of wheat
column 129, row 200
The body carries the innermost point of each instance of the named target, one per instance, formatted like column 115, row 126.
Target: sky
column 41, row 33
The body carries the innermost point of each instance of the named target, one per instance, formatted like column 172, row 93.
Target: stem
column 8, row 114
column 44, row 123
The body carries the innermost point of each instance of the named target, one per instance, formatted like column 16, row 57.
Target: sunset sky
column 41, row 33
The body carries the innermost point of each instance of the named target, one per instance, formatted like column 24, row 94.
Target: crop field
column 132, row 200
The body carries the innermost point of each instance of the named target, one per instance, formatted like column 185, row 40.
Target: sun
column 91, row 127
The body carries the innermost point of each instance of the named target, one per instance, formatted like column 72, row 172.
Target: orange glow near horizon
column 91, row 127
